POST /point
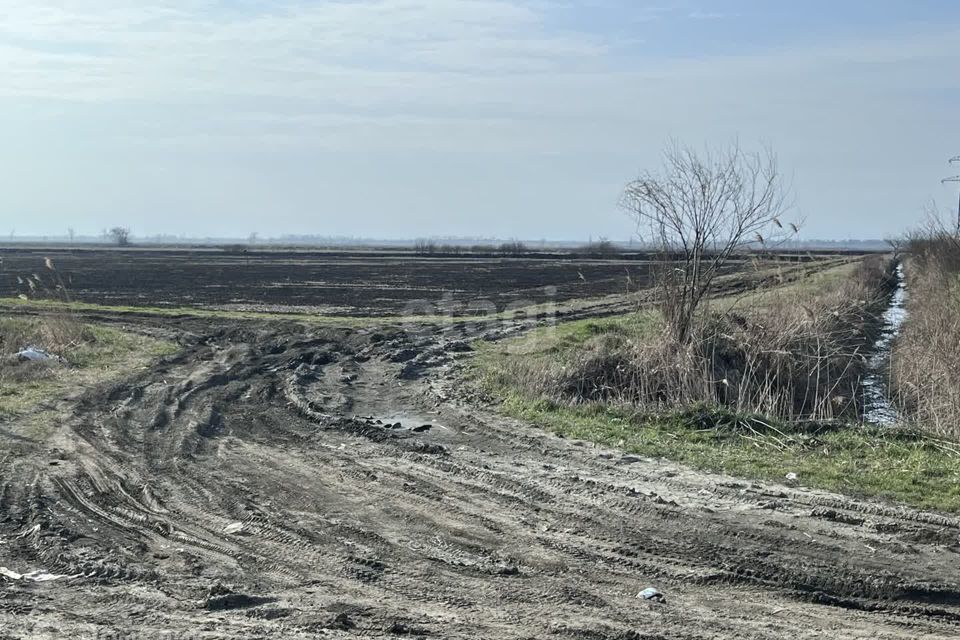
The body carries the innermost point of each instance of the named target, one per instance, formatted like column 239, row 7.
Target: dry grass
column 793, row 352
column 925, row 367
column 886, row 462
column 60, row 333
column 57, row 334
column 797, row 354
column 29, row 391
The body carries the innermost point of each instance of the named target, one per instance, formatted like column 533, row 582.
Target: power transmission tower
column 954, row 179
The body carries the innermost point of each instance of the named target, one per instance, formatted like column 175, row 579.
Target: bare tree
column 120, row 236
column 424, row 246
column 699, row 212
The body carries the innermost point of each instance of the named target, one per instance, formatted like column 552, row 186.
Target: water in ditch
column 877, row 406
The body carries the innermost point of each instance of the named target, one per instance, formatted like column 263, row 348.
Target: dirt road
column 245, row 488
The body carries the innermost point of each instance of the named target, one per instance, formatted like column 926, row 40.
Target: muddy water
column 877, row 406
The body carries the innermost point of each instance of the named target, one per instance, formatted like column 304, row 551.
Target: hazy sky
column 509, row 118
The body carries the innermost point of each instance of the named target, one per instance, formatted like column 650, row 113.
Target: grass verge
column 94, row 354
column 41, row 306
column 897, row 464
column 59, row 306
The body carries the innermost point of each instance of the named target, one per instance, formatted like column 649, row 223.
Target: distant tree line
column 430, row 247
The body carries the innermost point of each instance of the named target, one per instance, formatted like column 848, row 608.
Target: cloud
column 705, row 15
column 201, row 86
column 109, row 50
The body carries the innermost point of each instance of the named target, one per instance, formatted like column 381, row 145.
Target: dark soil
column 369, row 283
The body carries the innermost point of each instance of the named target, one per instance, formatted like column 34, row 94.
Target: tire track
column 485, row 527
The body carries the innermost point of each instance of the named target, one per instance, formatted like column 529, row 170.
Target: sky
column 496, row 118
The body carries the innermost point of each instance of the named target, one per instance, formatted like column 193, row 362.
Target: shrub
column 513, row 248
column 602, row 248
column 425, row 247
column 799, row 354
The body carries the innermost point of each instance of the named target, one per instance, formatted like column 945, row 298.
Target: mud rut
column 478, row 527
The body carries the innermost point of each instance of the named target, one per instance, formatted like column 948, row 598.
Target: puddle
column 877, row 408
column 406, row 420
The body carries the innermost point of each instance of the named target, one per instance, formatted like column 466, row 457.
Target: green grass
column 804, row 286
column 892, row 464
column 35, row 305
column 40, row 305
column 561, row 339
column 104, row 353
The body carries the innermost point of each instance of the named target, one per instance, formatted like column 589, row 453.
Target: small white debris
column 791, row 477
column 34, row 353
column 36, row 575
column 13, row 575
column 234, row 527
column 652, row 594
column 42, row 576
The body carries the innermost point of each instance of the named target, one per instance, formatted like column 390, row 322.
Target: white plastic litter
column 652, row 594
column 13, row 575
column 35, row 354
column 42, row 576
column 235, row 527
column 32, row 576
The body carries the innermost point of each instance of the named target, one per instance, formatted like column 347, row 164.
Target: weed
column 796, row 355
column 100, row 354
column 925, row 364
column 901, row 465
column 755, row 396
